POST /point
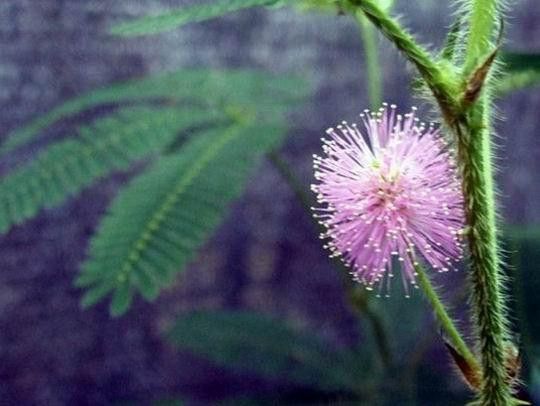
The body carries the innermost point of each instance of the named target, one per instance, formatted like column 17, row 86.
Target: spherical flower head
column 389, row 194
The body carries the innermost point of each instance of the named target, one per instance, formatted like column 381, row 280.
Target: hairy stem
column 444, row 319
column 474, row 154
column 472, row 126
column 436, row 78
column 482, row 17
column 373, row 77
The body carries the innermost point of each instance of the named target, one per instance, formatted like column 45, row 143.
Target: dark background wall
column 265, row 257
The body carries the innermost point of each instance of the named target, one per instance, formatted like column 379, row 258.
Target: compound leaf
column 110, row 144
column 157, row 223
column 271, row 348
column 181, row 16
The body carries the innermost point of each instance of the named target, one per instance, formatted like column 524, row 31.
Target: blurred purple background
column 265, row 257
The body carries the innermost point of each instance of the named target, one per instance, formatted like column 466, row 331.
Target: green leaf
column 158, row 222
column 268, row 347
column 332, row 6
column 95, row 295
column 517, row 80
column 386, row 5
column 110, row 144
column 523, row 232
column 191, row 87
column 122, row 298
column 178, row 17
column 520, row 61
column 522, row 70
column 336, row 6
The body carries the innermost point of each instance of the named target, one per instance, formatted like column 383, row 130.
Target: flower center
column 390, row 190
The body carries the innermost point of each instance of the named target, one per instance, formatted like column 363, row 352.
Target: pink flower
column 390, row 194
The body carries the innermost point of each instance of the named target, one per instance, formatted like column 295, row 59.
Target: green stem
column 434, row 77
column 373, row 77
column 438, row 80
column 474, row 154
column 482, row 16
column 444, row 319
column 472, row 128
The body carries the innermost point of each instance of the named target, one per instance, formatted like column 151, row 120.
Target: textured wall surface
column 265, row 257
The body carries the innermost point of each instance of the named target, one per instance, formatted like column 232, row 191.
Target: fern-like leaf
column 111, row 144
column 178, row 17
column 191, row 87
column 157, row 223
column 260, row 344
